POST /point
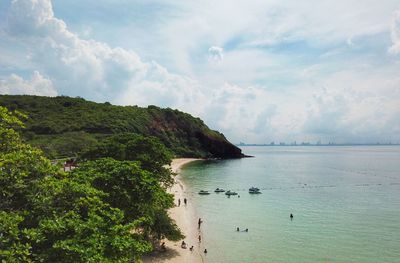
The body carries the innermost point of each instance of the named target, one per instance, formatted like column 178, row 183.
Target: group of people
column 184, row 245
column 246, row 230
column 184, row 201
column 199, row 222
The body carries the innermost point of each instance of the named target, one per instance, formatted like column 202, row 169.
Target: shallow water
column 345, row 202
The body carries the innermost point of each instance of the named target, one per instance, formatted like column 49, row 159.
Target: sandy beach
column 186, row 219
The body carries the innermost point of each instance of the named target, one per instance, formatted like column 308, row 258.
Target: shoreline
column 186, row 219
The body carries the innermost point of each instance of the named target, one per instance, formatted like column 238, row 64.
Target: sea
column 345, row 202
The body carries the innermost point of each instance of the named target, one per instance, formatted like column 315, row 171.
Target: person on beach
column 199, row 222
column 205, row 251
column 199, row 239
column 185, row 201
column 191, row 248
column 237, row 229
column 291, row 216
column 163, row 248
column 183, row 245
column 179, row 202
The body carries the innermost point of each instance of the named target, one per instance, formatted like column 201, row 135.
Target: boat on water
column 219, row 190
column 254, row 190
column 202, row 192
column 230, row 193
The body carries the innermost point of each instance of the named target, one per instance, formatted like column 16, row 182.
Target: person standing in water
column 291, row 216
column 185, row 201
column 199, row 222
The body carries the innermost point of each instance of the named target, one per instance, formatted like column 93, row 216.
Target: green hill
column 64, row 126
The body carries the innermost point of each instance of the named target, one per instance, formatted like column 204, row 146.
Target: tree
column 152, row 155
column 105, row 211
column 133, row 190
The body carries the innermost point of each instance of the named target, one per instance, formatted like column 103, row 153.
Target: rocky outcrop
column 219, row 148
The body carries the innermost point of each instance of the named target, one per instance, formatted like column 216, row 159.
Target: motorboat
column 202, row 192
column 219, row 190
column 254, row 190
column 230, row 193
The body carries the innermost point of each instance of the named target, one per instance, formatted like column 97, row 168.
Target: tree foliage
column 151, row 154
column 107, row 210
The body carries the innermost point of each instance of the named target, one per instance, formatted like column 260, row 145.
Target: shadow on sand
column 160, row 256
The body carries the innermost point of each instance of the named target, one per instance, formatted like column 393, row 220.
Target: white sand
column 186, row 220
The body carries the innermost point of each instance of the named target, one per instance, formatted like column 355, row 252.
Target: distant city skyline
column 314, row 144
column 285, row 70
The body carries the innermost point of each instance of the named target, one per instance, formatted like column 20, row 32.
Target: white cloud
column 252, row 113
column 37, row 85
column 257, row 94
column 80, row 67
column 355, row 106
column 216, row 54
column 395, row 33
column 350, row 42
column 193, row 25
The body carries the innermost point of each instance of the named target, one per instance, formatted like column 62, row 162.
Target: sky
column 257, row 71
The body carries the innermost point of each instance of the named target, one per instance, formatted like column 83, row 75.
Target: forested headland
column 64, row 126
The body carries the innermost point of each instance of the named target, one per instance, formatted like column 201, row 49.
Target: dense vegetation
column 113, row 208
column 64, row 126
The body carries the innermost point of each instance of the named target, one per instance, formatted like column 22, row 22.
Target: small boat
column 230, row 193
column 219, row 190
column 202, row 192
column 254, row 190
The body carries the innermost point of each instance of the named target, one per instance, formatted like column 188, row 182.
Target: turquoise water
column 345, row 202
